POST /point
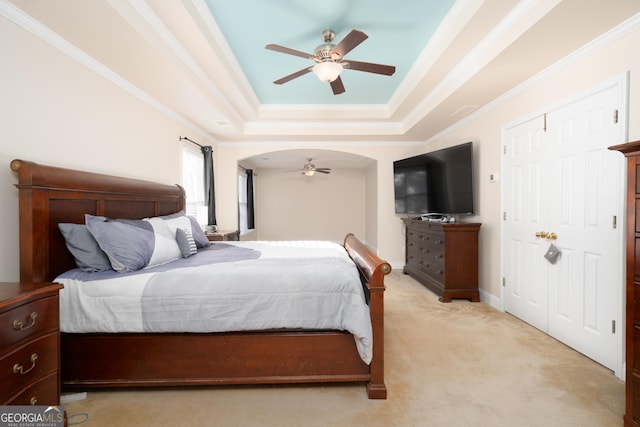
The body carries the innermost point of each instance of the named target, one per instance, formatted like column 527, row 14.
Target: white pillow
column 165, row 247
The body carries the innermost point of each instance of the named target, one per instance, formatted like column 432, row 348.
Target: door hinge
column 615, row 222
column 504, row 150
column 615, row 116
column 613, row 326
column 504, row 282
column 504, row 215
column 544, row 124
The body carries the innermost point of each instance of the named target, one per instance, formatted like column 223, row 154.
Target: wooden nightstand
column 29, row 344
column 221, row 235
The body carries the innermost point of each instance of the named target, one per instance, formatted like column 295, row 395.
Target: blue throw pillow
column 85, row 250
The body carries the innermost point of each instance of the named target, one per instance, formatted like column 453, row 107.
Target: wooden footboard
column 115, row 360
column 372, row 270
column 50, row 195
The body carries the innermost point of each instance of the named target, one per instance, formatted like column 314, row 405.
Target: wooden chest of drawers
column 29, row 344
column 632, row 317
column 443, row 257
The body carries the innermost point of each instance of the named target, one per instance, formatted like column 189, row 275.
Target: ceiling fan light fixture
column 309, row 172
column 327, row 71
column 329, row 60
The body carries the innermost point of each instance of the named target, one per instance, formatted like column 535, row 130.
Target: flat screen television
column 439, row 182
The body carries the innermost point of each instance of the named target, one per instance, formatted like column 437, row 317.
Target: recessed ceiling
column 297, row 157
column 398, row 32
column 203, row 62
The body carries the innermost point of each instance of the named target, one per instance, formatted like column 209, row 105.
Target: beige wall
column 372, row 206
column 290, row 206
column 56, row 111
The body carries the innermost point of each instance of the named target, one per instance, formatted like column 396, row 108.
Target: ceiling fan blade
column 293, row 76
column 369, row 67
column 289, row 51
column 337, row 87
column 347, row 44
column 323, row 171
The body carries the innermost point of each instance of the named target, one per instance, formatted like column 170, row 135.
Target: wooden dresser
column 632, row 340
column 223, row 235
column 443, row 257
column 29, row 344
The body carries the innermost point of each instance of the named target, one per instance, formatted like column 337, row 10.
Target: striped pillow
column 186, row 242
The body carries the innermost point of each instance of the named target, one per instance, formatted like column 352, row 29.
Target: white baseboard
column 490, row 299
column 398, row 265
column 72, row 397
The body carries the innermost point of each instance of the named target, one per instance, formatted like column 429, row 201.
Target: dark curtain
column 209, row 187
column 250, row 210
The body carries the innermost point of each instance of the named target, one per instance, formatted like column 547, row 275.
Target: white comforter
column 301, row 284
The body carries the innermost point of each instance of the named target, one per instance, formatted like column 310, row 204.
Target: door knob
column 546, row 235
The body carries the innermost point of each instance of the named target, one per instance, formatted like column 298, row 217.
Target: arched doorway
column 290, row 205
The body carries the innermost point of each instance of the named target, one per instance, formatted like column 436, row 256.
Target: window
column 242, row 203
column 193, row 182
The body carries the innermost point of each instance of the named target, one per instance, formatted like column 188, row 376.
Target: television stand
column 443, row 257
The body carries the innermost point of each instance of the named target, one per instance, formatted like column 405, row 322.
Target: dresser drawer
column 30, row 319
column 28, row 364
column 42, row 392
column 424, row 249
column 434, row 268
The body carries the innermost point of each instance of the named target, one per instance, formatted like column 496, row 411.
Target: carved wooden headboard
column 52, row 195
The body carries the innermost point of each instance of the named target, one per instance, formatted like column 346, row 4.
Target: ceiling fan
column 309, row 169
column 330, row 60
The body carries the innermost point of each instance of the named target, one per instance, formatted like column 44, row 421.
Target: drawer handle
column 19, row 369
column 18, row 325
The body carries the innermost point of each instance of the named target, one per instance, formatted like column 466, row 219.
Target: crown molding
column 35, row 27
column 627, row 27
column 522, row 17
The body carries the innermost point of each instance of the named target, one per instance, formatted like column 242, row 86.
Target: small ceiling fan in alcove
column 329, row 60
column 309, row 169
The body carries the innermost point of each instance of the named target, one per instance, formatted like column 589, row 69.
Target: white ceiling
column 204, row 63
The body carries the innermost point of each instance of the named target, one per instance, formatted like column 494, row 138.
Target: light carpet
column 456, row 364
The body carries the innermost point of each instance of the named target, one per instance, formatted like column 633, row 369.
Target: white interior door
column 583, row 296
column 560, row 178
column 526, row 178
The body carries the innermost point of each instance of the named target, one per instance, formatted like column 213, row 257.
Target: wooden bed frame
column 51, row 195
